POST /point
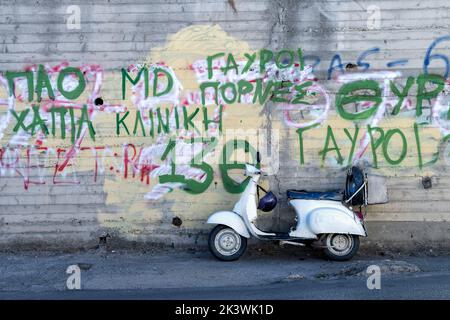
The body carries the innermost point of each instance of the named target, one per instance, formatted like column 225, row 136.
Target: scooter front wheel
column 226, row 244
column 341, row 247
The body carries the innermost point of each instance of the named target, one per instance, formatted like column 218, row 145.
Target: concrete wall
column 63, row 192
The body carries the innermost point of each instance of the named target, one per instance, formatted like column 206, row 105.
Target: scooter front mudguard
column 230, row 219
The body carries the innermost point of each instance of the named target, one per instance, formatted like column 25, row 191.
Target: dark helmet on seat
column 268, row 202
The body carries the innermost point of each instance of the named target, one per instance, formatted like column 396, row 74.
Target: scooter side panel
column 302, row 229
column 319, row 217
column 332, row 221
column 229, row 219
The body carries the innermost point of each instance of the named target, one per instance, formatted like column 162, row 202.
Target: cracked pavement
column 43, row 274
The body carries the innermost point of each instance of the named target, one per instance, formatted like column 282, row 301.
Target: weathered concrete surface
column 73, row 210
column 28, row 274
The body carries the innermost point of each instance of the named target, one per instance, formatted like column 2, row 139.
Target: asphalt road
column 266, row 274
column 417, row 286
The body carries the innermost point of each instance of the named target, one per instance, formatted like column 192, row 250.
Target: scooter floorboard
column 280, row 236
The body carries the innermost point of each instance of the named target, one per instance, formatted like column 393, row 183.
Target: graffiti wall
column 133, row 121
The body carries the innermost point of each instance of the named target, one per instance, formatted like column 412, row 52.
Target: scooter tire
column 216, row 253
column 335, row 257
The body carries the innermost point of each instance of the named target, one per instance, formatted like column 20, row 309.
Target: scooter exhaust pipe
column 283, row 242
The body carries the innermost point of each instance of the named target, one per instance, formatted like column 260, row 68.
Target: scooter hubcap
column 227, row 242
column 340, row 244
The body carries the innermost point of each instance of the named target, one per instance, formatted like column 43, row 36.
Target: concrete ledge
column 408, row 237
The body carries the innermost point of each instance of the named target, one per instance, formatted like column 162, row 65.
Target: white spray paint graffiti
column 22, row 139
column 386, row 77
column 148, row 161
column 318, row 108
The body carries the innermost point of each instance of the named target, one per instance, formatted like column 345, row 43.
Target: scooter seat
column 315, row 195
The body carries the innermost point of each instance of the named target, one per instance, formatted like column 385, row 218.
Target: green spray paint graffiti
column 162, row 116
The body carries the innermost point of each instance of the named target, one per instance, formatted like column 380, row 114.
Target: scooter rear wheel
column 341, row 247
column 226, row 244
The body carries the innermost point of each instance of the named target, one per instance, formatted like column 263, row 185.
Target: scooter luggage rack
column 364, row 185
column 356, row 192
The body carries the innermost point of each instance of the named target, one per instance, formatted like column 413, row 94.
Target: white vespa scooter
column 323, row 219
